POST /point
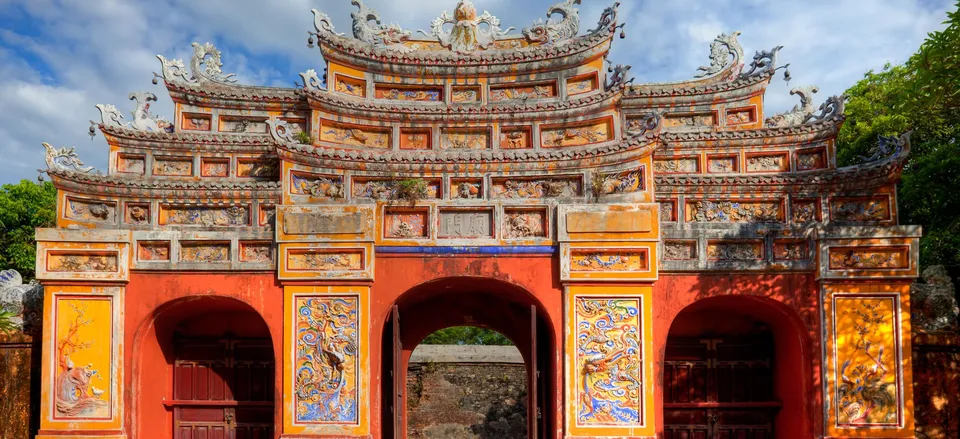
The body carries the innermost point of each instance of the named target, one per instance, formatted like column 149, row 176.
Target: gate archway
column 469, row 301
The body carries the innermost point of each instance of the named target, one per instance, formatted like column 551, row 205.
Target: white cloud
column 77, row 53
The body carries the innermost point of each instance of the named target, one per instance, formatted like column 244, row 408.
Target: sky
column 59, row 58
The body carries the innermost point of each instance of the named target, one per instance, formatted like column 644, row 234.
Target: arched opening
column 216, row 357
column 466, row 382
column 467, row 301
column 733, row 367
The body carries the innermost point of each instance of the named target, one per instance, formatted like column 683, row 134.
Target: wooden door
column 719, row 388
column 223, row 389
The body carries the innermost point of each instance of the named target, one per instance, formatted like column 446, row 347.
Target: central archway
column 469, row 301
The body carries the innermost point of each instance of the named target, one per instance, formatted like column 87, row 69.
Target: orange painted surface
column 198, row 303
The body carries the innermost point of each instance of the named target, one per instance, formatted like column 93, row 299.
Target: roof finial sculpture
column 66, row 159
column 143, row 120
column 556, row 31
column 608, row 19
column 617, row 76
column 725, row 51
column 390, row 37
column 799, row 113
column 887, row 147
column 466, row 35
column 311, row 80
column 829, row 109
column 763, row 62
column 281, row 132
column 205, row 67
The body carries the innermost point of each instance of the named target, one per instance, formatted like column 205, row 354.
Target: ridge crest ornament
column 725, row 51
column 551, row 31
column 205, row 67
column 66, row 160
column 143, row 120
column 466, row 35
column 800, row 113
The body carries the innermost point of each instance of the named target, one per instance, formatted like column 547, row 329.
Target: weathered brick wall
column 464, row 392
column 936, row 354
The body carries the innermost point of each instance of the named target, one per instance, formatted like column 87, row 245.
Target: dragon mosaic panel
column 326, row 384
column 608, row 363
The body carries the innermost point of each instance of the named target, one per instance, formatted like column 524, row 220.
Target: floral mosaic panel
column 256, row 252
column 739, row 116
column 622, row 182
column 196, row 122
column 810, row 160
column 608, row 362
column 415, row 139
column 680, row 250
column 214, row 167
column 258, row 168
column 867, row 370
column 609, row 260
column 791, row 251
column 83, row 376
column 735, row 251
column 805, row 211
column 327, row 345
column 586, row 134
column 243, row 125
column 466, row 189
column 722, row 164
column 668, row 210
column 138, row 213
column 319, row 186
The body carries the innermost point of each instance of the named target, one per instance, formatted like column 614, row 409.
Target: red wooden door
column 719, row 388
column 223, row 389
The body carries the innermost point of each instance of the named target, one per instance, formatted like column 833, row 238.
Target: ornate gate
column 223, row 389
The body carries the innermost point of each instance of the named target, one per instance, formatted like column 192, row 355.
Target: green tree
column 468, row 335
column 24, row 207
column 922, row 95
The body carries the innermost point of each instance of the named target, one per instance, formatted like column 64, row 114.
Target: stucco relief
column 317, row 186
column 84, row 341
column 205, row 216
column 860, row 210
column 608, row 362
column 735, row 251
column 81, row 263
column 868, row 258
column 326, row 383
column 622, row 182
column 734, row 211
column 91, row 210
column 676, row 165
column 608, row 260
column 546, row 188
column 680, row 250
column 325, row 260
column 524, row 224
column 204, row 252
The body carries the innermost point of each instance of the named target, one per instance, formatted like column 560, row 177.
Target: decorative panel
column 536, row 188
column 205, row 252
column 805, row 210
column 173, row 166
column 868, row 377
column 525, row 223
column 860, row 209
column 326, row 364
column 325, row 259
column 83, row 361
column 587, row 133
column 415, row 138
column 734, row 251
column 870, row 258
column 740, row 116
column 609, row 260
column 466, row 189
column 722, row 164
column 379, row 189
column 522, row 92
column 515, row 138
column 83, row 255
column 791, row 251
column 205, row 216
column 351, row 86
column 734, row 211
column 137, row 213
column 153, row 251
column 461, row 223
column 808, row 160
column 668, row 210
column 768, row 162
column 265, row 167
column 317, row 186
column 214, row 167
column 406, row 223
column 690, row 120
column 405, row 93
column 458, row 138
column 90, row 210
column 355, row 135
column 82, row 262
column 465, row 94
column 267, row 216
column 680, row 250
column 131, row 164
column 677, row 165
column 623, row 182
column 609, row 362
column 243, row 125
column 582, row 84
column 195, row 122
column 256, row 251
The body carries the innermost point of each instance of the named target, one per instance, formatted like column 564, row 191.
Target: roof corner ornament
column 556, row 31
column 311, row 80
column 764, row 62
column 617, row 77
column 390, row 37
column 608, row 19
column 205, row 66
column 725, row 51
column 799, row 113
column 831, row 108
column 467, row 35
column 643, row 124
column 143, row 120
column 67, row 160
column 322, row 26
column 281, row 132
column 888, row 147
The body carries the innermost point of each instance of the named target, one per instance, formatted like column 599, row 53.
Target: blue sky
column 58, row 58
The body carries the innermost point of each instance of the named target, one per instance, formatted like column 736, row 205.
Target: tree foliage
column 468, row 335
column 24, row 207
column 922, row 95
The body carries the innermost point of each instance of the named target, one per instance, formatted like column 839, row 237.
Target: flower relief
column 80, row 391
column 733, row 211
column 866, row 387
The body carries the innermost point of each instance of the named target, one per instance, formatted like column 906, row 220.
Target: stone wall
column 936, row 355
column 466, row 392
column 20, row 357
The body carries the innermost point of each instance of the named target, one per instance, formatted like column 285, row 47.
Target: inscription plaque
column 466, row 224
